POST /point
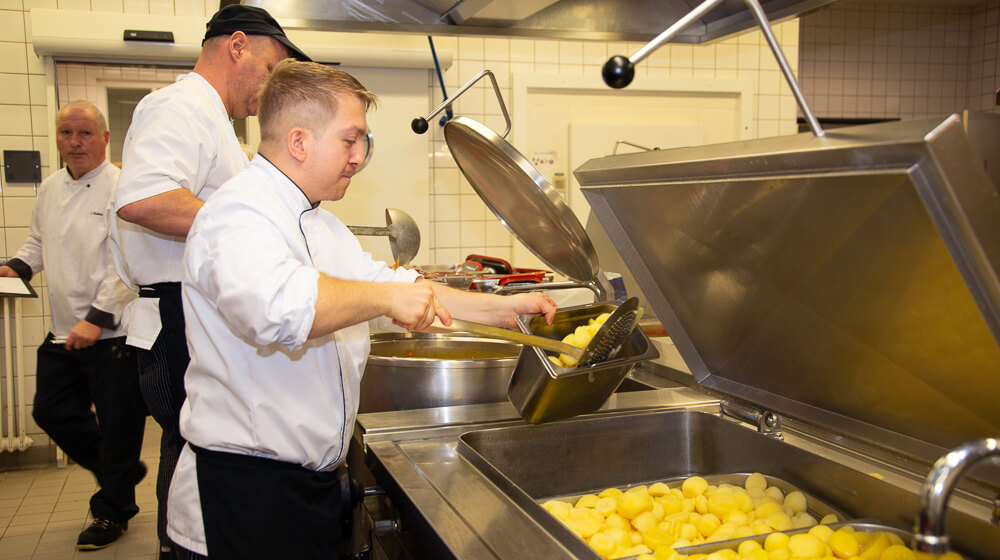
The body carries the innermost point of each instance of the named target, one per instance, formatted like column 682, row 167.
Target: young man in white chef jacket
column 84, row 360
column 179, row 148
column 277, row 294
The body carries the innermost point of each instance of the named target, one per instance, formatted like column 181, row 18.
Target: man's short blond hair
column 305, row 94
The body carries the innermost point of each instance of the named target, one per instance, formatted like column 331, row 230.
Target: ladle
column 403, row 233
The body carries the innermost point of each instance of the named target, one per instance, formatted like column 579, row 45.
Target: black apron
column 259, row 508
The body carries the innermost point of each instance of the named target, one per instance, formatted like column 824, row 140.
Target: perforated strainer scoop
column 604, row 346
column 613, row 333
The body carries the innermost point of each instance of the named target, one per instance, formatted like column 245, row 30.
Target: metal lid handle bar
column 420, row 126
column 618, row 71
column 929, row 534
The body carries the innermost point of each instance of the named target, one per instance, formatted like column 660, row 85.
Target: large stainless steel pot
column 423, row 370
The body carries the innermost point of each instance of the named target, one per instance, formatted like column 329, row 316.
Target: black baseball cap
column 252, row 21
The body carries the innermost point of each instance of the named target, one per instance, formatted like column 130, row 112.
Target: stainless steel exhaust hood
column 631, row 20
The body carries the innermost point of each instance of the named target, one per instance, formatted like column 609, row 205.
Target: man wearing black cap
column 179, row 149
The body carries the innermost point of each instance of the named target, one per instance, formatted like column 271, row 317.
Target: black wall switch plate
column 21, row 166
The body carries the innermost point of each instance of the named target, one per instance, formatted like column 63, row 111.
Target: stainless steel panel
column 850, row 280
column 634, row 20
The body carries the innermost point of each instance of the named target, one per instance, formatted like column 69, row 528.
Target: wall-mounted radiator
column 14, row 419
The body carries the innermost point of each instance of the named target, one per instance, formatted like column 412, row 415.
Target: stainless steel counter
column 456, row 510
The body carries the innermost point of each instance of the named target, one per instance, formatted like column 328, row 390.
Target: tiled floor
column 42, row 511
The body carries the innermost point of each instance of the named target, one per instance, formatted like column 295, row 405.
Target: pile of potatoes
column 821, row 542
column 656, row 519
column 580, row 338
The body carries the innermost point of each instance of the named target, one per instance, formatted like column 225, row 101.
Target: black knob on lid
column 419, row 125
column 618, row 71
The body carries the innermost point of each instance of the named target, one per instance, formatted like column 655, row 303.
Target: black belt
column 161, row 289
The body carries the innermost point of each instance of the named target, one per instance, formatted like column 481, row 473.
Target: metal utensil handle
column 368, row 230
column 512, row 336
column 419, row 124
column 622, row 71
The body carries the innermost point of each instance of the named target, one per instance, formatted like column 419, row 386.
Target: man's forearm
column 342, row 303
column 169, row 213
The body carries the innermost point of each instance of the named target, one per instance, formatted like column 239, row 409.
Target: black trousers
column 161, row 379
column 256, row 508
column 104, row 375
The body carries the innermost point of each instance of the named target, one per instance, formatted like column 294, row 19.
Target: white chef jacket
column 69, row 239
column 181, row 137
column 255, row 384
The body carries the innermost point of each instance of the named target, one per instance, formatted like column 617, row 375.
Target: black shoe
column 100, row 534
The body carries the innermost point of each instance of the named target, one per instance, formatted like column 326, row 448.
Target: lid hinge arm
column 766, row 421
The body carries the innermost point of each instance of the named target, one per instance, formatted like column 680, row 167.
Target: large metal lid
column 522, row 199
column 850, row 281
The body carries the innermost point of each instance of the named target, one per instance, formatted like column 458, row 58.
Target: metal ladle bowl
column 403, row 233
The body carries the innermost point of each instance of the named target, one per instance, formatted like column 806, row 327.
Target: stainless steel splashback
column 850, row 280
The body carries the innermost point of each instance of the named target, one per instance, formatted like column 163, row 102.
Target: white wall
column 884, row 60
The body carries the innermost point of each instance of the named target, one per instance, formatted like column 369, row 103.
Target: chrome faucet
column 929, row 532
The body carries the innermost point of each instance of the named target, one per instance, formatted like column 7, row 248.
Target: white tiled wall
column 884, row 60
column 461, row 223
column 984, row 58
column 24, row 126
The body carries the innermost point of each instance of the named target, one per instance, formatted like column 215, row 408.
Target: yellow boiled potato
column 638, row 488
column 658, row 511
column 758, row 554
column 708, row 524
column 610, row 493
column 559, row 509
column 745, row 547
column 843, row 544
column 615, row 521
column 600, row 319
column 776, row 541
column 829, row 518
column 621, row 538
column 687, row 504
column 689, row 532
column 568, row 361
column 693, row 486
column 898, row 552
column 636, row 537
column 796, row 501
column 743, row 500
column 671, row 504
column 606, row 506
column 587, row 523
column 659, row 489
column 724, row 554
column 894, row 539
column 655, row 537
column 755, row 481
column 780, row 554
column 556, row 361
column 760, row 528
column 779, row 521
column 722, row 503
column 775, row 493
column 638, row 549
column 806, row 546
column 766, row 509
column 634, row 503
column 743, row 532
column 821, row 532
column 874, row 548
column 701, row 504
column 644, row 521
column 587, row 501
column 803, row 520
column 737, row 518
column 582, row 336
column 602, row 544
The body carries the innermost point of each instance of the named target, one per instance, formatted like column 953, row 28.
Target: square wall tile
column 12, row 26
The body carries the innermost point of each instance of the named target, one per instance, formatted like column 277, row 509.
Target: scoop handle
column 512, row 336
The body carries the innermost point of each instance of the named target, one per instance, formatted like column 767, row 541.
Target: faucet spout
column 930, row 534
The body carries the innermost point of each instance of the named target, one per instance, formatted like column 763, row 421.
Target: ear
column 297, row 143
column 107, row 136
column 238, row 42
